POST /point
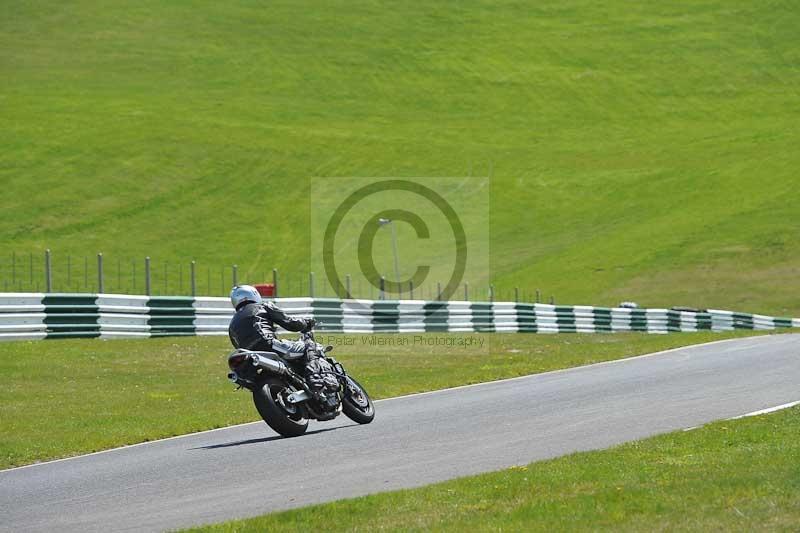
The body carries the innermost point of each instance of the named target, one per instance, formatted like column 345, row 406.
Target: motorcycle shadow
column 266, row 439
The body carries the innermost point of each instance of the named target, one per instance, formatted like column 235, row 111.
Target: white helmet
column 244, row 293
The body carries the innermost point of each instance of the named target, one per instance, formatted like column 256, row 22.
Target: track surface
column 246, row 470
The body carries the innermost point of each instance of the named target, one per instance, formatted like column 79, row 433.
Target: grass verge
column 77, row 396
column 641, row 151
column 741, row 475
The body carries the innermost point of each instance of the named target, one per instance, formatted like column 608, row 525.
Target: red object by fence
column 266, row 289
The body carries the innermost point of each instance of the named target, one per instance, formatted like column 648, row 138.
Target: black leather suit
column 253, row 328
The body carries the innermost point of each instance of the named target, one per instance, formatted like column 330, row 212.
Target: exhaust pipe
column 276, row 367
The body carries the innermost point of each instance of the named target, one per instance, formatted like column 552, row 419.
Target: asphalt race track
column 247, row 470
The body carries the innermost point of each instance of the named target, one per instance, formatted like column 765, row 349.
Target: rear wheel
column 271, row 401
column 356, row 403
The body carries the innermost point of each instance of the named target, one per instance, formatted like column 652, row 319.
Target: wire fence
column 48, row 272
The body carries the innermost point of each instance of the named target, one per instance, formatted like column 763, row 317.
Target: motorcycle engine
column 322, row 381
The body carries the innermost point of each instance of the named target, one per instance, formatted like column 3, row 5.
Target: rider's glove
column 310, row 323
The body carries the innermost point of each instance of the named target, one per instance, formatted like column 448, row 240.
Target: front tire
column 287, row 419
column 356, row 403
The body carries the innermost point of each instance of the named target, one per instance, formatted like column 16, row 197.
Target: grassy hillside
column 642, row 151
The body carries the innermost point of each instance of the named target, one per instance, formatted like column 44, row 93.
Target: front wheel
column 356, row 403
column 287, row 419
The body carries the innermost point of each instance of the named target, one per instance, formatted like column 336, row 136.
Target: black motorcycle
column 290, row 390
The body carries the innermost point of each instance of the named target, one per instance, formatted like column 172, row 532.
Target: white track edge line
column 438, row 391
column 767, row 410
column 128, row 446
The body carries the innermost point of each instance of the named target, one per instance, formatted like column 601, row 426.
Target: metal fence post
column 347, row 286
column 516, row 294
column 382, row 293
column 194, row 278
column 275, row 282
column 147, row 286
column 48, row 272
column 491, row 293
column 100, row 280
column 438, row 291
column 411, row 290
column 552, row 300
column 235, row 275
column 466, row 291
column 538, row 296
column 311, row 284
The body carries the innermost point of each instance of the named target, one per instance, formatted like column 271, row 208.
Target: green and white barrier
column 48, row 315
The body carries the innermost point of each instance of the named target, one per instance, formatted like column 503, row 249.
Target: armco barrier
column 40, row 316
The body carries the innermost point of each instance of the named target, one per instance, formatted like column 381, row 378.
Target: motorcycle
column 286, row 400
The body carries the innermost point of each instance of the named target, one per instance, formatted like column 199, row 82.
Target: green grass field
column 740, row 475
column 69, row 397
column 644, row 152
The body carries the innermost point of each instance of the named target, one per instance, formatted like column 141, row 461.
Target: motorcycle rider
column 253, row 325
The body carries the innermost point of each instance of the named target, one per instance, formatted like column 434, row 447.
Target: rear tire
column 356, row 403
column 287, row 419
